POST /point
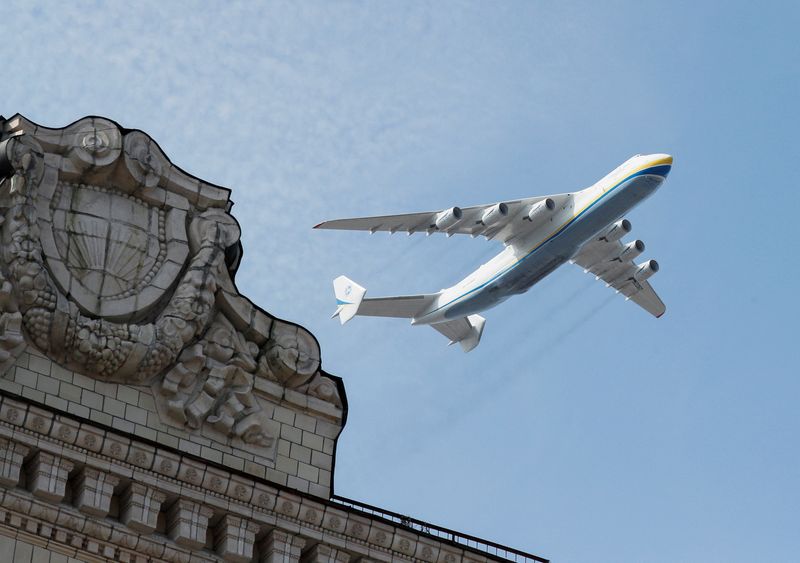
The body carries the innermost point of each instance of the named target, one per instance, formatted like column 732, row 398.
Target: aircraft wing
column 503, row 220
column 608, row 262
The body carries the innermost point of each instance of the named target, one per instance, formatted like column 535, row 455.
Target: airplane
column 539, row 233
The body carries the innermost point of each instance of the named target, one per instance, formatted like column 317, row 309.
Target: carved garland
column 112, row 351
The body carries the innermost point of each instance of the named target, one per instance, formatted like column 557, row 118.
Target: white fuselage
column 525, row 261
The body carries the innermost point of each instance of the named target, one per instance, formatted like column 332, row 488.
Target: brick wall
column 301, row 458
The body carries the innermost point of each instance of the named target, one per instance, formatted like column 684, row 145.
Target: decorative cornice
column 194, row 493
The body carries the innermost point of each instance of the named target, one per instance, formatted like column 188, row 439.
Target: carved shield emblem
column 114, row 253
column 117, row 264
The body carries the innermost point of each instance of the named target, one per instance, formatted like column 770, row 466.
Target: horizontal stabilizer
column 467, row 331
column 350, row 302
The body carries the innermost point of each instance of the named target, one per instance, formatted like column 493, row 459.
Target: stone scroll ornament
column 118, row 265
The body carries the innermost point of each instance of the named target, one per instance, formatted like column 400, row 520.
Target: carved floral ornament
column 118, row 265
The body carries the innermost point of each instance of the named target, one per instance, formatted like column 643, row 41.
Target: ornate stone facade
column 116, row 272
column 148, row 410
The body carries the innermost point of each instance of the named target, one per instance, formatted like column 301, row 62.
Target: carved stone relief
column 118, row 265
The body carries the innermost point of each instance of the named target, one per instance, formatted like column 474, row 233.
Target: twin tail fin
column 348, row 298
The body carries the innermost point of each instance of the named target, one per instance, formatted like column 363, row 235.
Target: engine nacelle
column 631, row 250
column 541, row 210
column 448, row 218
column 645, row 270
column 616, row 231
column 494, row 214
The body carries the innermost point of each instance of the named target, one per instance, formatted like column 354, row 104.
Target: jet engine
column 448, row 218
column 540, row 210
column 616, row 231
column 494, row 214
column 645, row 270
column 631, row 250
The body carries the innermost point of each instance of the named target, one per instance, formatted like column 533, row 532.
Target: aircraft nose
column 665, row 159
column 661, row 164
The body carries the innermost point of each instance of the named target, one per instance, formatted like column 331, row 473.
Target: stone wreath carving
column 118, row 265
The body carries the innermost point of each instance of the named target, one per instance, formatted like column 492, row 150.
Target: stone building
column 148, row 410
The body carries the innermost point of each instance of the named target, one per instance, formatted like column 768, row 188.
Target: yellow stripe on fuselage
column 612, row 184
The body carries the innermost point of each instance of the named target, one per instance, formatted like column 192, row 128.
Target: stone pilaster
column 140, row 507
column 235, row 538
column 11, row 457
column 93, row 491
column 47, row 476
column 322, row 553
column 281, row 547
column 187, row 523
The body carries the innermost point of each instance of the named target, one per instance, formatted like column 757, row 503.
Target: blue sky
column 580, row 429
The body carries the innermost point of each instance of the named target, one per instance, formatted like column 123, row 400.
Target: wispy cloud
column 317, row 110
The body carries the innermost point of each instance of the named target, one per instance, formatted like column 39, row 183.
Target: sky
column 581, row 429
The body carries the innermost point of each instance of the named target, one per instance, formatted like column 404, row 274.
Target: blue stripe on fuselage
column 660, row 170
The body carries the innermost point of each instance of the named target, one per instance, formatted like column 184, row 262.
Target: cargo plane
column 539, row 234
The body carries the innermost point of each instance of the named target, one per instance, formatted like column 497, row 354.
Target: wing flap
column 645, row 296
column 511, row 226
column 409, row 222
